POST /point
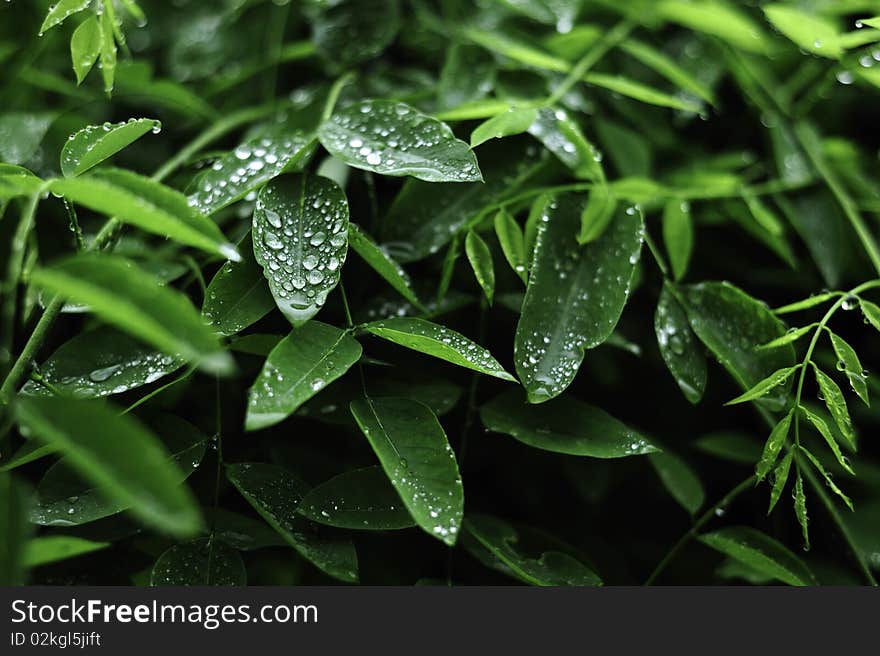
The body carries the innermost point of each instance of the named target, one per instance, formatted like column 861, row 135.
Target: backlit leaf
column 513, row 121
column 809, row 32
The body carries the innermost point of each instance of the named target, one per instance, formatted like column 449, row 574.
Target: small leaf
column 101, row 362
column 808, row 32
column 563, row 425
column 361, row 499
column 439, row 342
column 763, row 215
column 415, row 145
column 14, row 530
column 147, row 204
column 99, row 443
column 204, row 561
column 790, row 337
column 679, row 480
column 678, row 235
column 513, row 121
column 515, row 49
column 480, row 258
column 248, row 166
column 85, row 46
column 800, row 508
column 60, row 11
column 275, row 494
column 848, row 362
column 512, row 241
column 415, row 454
column 108, row 51
column 718, row 19
column 836, row 405
column 382, row 263
column 55, row 548
column 575, row 295
column 119, row 292
column 300, row 237
column 682, row 353
column 641, row 92
column 300, row 366
column 807, row 303
column 780, row 477
column 871, row 312
column 765, row 386
column 597, row 214
column 774, row 445
column 668, row 68
column 96, row 143
column 561, row 136
column 758, row 550
column 498, row 544
column 823, row 429
column 237, row 296
column 828, row 480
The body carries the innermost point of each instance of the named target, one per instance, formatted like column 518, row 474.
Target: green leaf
column 93, row 144
column 829, row 481
column 763, row 215
column 85, row 46
column 836, row 404
column 480, row 258
column 416, row 144
column 513, row 121
column 300, row 236
column 871, row 312
column 758, row 550
column 682, row 353
column 14, row 530
column 718, row 18
column 774, row 445
column 516, row 50
column 147, row 204
column 63, row 498
column 503, row 544
column 575, row 295
column 766, row 385
column 848, row 362
column 678, row 235
column 800, row 508
column 415, row 454
column 348, row 33
column 243, row 532
column 203, row 561
column 668, row 68
column 275, row 494
column 248, row 166
column 807, row 303
column 120, row 293
column 382, row 263
column 17, row 181
column 30, row 451
column 361, row 499
column 561, row 136
column 512, row 241
column 597, row 214
column 780, row 478
column 870, row 22
column 108, row 51
column 563, row 425
column 101, row 362
column 730, row 446
column 439, row 342
column 59, row 12
column 116, row 453
column 679, row 480
column 55, row 548
column 641, row 92
column 731, row 324
column 823, row 429
column 467, row 76
column 790, row 337
column 300, row 366
column 237, row 296
column 811, row 33
column 21, row 134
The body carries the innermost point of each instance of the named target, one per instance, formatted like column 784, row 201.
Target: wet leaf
column 758, row 550
column 381, row 263
column 95, row 143
column 848, row 362
column 480, row 258
column 678, row 235
column 679, row 347
column 199, row 562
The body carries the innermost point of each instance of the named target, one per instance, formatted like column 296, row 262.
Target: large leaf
column 393, row 138
column 64, row 498
column 361, row 499
column 300, row 366
column 718, row 18
column 248, row 166
column 96, row 143
column 575, row 295
column 439, row 342
column 199, row 562
column 101, row 362
column 758, row 550
column 352, row 31
column 122, row 294
column 300, row 238
column 21, row 134
column 415, row 454
column 237, row 295
column 563, row 425
column 275, row 494
column 732, row 324
column 682, row 353
column 118, row 454
column 147, row 204
column 502, row 543
column 14, row 530
column 809, row 32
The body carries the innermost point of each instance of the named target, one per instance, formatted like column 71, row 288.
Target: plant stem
column 703, row 519
column 13, row 275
